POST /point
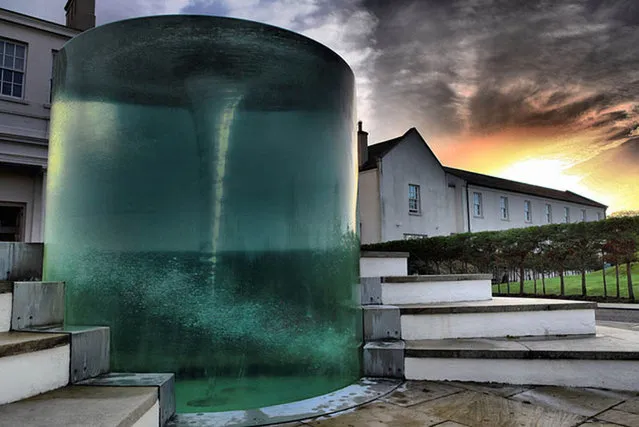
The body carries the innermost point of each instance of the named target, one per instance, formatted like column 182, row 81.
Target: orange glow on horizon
column 553, row 158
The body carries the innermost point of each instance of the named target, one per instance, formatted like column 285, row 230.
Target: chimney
column 80, row 14
column 362, row 144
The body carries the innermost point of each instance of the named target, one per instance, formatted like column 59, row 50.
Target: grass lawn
column 594, row 284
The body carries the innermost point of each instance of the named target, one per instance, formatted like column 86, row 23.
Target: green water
column 201, row 202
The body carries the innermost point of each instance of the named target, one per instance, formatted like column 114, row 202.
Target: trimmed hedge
column 548, row 249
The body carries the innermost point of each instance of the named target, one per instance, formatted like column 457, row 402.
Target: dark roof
column 520, row 187
column 379, row 150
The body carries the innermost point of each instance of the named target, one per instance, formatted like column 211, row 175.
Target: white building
column 27, row 48
column 405, row 192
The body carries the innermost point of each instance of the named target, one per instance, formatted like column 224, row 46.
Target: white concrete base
column 151, row 418
column 6, row 301
column 436, row 292
column 29, row 374
column 611, row 374
column 498, row 324
column 383, row 267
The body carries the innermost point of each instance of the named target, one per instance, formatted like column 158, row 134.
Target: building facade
column 405, row 192
column 28, row 47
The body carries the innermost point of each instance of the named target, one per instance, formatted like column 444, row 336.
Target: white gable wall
column 411, row 162
column 369, row 208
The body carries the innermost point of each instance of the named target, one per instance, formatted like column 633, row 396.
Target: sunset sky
column 545, row 92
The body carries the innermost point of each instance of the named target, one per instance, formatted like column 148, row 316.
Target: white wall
column 24, row 123
column 491, row 219
column 369, row 208
column 411, row 162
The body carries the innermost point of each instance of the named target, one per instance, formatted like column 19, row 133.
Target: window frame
column 566, row 215
column 584, row 215
column 479, row 202
column 548, row 213
column 527, row 211
column 13, row 70
column 417, row 199
column 503, row 208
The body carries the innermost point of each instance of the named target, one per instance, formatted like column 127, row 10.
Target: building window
column 478, row 209
column 548, row 214
column 598, row 216
column 12, row 65
column 583, row 215
column 566, row 215
column 527, row 211
column 413, row 198
column 503, row 207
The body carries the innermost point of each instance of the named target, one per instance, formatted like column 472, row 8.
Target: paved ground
column 450, row 404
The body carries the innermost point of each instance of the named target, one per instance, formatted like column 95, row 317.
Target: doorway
column 12, row 222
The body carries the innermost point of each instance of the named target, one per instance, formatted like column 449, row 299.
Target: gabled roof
column 482, row 180
column 379, row 150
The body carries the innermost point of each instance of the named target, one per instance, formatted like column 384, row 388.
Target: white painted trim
column 151, row 418
column 40, row 24
column 487, row 325
column 30, row 374
column 383, row 267
column 6, row 302
column 436, row 292
column 611, row 374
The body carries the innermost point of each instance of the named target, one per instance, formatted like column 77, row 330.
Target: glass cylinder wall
column 201, row 202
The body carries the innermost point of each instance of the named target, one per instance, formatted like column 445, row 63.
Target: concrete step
column 6, row 301
column 499, row 317
column 32, row 363
column 82, row 406
column 436, row 289
column 37, row 304
column 163, row 382
column 608, row 360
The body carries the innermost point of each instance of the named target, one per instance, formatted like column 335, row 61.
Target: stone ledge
column 436, row 278
column 496, row 305
column 608, row 344
column 380, row 254
column 164, row 382
column 14, row 343
column 363, row 391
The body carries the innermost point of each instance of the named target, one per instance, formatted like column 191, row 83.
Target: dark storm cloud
column 478, row 66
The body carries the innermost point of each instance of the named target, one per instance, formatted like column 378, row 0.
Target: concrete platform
column 608, row 360
column 83, row 406
column 435, row 289
column 499, row 317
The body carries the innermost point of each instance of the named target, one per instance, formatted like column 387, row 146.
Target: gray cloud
column 506, row 63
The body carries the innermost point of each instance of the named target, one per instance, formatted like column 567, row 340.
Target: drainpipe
column 467, row 207
column 381, row 200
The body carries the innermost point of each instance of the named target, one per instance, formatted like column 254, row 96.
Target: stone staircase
column 450, row 328
column 56, row 376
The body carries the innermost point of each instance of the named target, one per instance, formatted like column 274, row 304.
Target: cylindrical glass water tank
column 201, row 202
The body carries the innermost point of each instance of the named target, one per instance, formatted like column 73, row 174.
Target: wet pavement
column 450, row 404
